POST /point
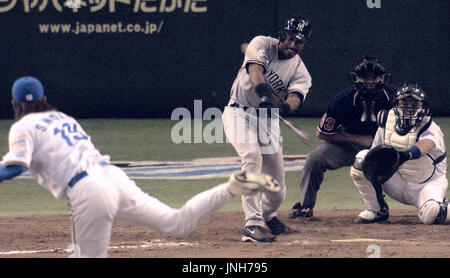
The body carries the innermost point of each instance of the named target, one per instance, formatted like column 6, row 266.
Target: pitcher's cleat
column 245, row 183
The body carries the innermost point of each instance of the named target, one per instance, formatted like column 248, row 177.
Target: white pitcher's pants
column 107, row 193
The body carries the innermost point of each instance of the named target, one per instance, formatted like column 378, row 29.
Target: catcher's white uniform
column 62, row 158
column 416, row 194
column 256, row 139
column 414, row 184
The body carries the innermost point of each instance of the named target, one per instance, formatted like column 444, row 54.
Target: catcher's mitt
column 380, row 164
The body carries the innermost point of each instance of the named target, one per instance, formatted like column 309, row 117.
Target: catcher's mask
column 410, row 106
column 298, row 26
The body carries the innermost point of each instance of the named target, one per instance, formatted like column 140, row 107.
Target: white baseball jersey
column 54, row 147
column 283, row 76
column 434, row 134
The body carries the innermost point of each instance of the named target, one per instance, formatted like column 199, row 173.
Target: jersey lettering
column 275, row 81
column 41, row 128
column 47, row 121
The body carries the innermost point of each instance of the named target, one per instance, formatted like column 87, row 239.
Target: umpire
column 347, row 127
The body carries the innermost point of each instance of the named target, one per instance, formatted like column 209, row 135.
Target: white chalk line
column 351, row 240
column 144, row 245
column 165, row 244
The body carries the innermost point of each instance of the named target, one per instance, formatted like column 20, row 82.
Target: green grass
column 127, row 139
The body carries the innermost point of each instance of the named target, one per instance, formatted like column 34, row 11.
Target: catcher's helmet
column 368, row 75
column 299, row 26
column 410, row 106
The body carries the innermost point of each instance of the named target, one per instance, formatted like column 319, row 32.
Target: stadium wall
column 143, row 59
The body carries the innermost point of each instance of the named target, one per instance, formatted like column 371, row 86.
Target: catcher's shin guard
column 363, row 185
column 433, row 212
column 446, row 211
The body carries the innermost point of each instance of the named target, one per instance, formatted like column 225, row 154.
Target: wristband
column 8, row 172
column 415, row 152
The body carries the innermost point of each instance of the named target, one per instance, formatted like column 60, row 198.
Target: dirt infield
column 329, row 234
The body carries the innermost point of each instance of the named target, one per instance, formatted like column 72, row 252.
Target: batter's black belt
column 245, row 108
column 81, row 175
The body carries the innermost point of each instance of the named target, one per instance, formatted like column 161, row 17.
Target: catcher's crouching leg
column 363, row 185
column 374, row 212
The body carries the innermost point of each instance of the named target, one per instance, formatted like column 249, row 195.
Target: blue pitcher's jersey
column 345, row 110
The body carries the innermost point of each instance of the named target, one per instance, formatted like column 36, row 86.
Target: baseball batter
column 272, row 76
column 61, row 157
column 420, row 180
column 347, row 127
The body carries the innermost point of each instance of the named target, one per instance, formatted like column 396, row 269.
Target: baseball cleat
column 257, row 234
column 298, row 211
column 245, row 183
column 276, row 226
column 368, row 216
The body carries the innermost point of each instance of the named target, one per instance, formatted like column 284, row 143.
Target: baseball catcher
column 407, row 161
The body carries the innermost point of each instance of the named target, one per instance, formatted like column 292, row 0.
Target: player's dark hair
column 23, row 108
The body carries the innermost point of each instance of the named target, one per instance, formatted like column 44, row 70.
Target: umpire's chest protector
column 417, row 170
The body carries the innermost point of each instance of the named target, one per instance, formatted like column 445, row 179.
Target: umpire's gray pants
column 328, row 156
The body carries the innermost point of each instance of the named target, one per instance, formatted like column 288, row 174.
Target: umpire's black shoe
column 257, row 234
column 299, row 211
column 276, row 226
column 368, row 216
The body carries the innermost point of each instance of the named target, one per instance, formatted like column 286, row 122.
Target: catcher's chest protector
column 417, row 170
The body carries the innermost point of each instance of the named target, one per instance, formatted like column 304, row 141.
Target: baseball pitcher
column 407, row 161
column 272, row 79
column 60, row 156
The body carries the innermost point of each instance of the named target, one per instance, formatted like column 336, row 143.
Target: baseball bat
column 303, row 135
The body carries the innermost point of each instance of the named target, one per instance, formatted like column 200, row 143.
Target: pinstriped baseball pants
column 259, row 145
